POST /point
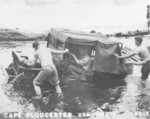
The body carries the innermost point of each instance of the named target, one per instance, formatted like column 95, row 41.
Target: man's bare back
column 45, row 56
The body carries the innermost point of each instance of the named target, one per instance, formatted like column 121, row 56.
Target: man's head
column 35, row 45
column 138, row 41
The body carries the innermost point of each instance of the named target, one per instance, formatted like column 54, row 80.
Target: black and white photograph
column 74, row 59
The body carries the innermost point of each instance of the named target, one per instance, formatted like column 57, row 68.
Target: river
column 129, row 101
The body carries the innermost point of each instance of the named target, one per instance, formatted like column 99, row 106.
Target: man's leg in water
column 37, row 90
column 54, row 80
column 58, row 89
column 38, row 81
column 145, row 71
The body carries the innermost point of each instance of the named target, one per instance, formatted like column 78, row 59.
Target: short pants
column 145, row 71
column 49, row 73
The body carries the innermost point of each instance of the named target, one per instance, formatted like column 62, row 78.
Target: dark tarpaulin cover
column 105, row 61
column 81, row 41
column 76, row 37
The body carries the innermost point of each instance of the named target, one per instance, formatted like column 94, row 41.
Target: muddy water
column 122, row 100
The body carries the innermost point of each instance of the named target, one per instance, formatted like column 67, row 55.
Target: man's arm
column 59, row 51
column 32, row 63
column 139, row 63
column 75, row 58
column 126, row 55
column 81, row 62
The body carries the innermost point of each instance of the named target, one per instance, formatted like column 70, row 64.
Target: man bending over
column 48, row 70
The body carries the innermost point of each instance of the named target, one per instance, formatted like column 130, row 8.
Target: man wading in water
column 144, row 62
column 48, row 70
column 143, row 53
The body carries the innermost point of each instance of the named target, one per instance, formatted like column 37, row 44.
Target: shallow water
column 123, row 100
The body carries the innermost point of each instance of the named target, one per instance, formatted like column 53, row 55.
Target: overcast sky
column 41, row 15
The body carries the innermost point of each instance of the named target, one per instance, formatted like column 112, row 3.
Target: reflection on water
column 80, row 96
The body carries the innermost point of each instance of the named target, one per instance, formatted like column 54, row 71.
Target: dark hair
column 139, row 39
column 35, row 44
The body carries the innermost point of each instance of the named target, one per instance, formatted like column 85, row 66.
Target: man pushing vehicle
column 48, row 70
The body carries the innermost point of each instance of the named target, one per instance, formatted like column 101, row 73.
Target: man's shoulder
column 46, row 48
column 139, row 49
column 36, row 53
column 86, row 58
column 43, row 49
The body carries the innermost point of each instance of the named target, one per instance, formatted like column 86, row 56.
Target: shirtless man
column 144, row 62
column 48, row 68
column 143, row 53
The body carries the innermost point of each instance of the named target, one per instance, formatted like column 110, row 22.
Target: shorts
column 49, row 73
column 145, row 71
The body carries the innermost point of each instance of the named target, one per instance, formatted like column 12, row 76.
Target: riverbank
column 16, row 35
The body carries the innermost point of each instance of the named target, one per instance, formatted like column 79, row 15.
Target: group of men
column 48, row 70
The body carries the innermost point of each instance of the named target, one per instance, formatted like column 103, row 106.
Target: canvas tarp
column 77, row 37
column 105, row 48
column 105, row 61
